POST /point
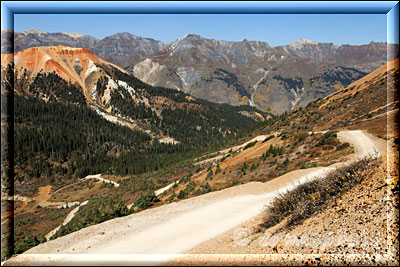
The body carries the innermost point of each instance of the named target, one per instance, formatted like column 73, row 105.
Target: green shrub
column 253, row 166
column 206, row 189
column 268, row 138
column 182, row 194
column 209, row 175
column 145, row 201
column 218, row 169
column 235, row 182
column 250, row 145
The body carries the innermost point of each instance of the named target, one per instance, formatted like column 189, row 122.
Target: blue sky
column 276, row 29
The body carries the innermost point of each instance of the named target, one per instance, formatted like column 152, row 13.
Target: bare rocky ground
column 358, row 228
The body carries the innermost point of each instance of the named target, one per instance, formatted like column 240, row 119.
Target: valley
column 112, row 159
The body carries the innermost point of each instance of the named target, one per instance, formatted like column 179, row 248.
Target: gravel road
column 175, row 228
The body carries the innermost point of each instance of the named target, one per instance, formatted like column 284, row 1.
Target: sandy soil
column 178, row 227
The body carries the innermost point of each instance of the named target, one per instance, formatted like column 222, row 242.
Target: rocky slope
column 275, row 79
column 74, row 65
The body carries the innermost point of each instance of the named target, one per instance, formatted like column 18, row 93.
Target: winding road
column 177, row 227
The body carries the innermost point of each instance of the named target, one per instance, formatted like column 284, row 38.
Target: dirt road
column 175, row 228
column 98, row 177
column 66, row 220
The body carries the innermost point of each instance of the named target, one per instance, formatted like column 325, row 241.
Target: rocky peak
column 186, row 42
column 192, row 36
column 73, row 35
column 123, row 35
column 299, row 43
column 188, row 38
column 34, row 31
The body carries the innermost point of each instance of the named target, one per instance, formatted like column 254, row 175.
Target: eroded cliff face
column 74, row 65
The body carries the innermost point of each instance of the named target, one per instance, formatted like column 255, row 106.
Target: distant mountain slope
column 274, row 79
column 122, row 49
column 365, row 100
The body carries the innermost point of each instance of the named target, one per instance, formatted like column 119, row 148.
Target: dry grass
column 309, row 198
column 328, row 159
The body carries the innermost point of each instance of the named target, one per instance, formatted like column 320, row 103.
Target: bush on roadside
column 310, row 197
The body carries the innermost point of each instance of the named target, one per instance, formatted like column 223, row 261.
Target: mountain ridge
column 273, row 79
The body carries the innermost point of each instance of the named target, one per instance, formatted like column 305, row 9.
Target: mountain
column 75, row 65
column 250, row 72
column 75, row 109
column 34, row 38
column 370, row 103
column 273, row 79
column 122, row 49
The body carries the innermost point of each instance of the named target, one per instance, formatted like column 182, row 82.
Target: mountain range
column 274, row 79
column 100, row 118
